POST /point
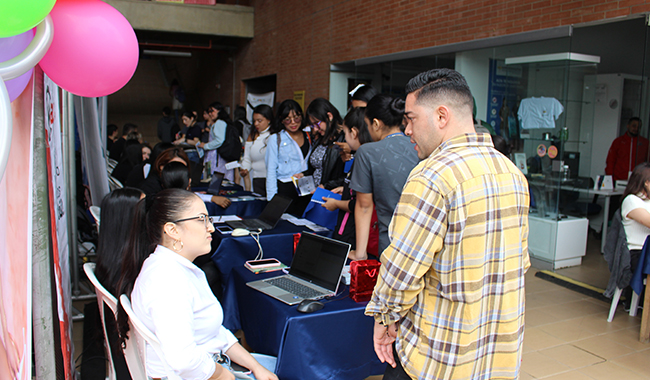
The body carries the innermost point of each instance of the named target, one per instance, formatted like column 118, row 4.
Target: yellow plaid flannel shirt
column 453, row 275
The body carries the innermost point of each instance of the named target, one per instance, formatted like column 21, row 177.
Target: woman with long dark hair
column 325, row 161
column 220, row 121
column 171, row 296
column 254, row 161
column 381, row 169
column 287, row 155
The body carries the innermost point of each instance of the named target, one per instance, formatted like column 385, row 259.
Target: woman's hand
column 201, row 145
column 338, row 190
column 330, row 204
column 243, row 172
column 262, row 373
column 299, row 175
column 221, row 201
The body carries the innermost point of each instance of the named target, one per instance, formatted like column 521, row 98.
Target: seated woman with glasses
column 287, row 155
column 325, row 160
column 171, row 296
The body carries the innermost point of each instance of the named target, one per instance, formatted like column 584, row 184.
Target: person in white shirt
column 171, row 296
column 635, row 209
column 255, row 151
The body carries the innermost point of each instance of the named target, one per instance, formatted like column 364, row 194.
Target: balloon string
column 6, row 127
column 30, row 57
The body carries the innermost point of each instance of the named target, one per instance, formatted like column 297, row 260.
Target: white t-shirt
column 636, row 232
column 541, row 112
column 172, row 298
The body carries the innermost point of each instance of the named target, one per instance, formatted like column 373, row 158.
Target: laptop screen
column 274, row 209
column 215, row 183
column 319, row 260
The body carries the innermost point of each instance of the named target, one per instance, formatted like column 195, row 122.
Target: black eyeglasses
column 204, row 218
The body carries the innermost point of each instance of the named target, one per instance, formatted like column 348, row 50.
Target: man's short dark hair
column 434, row 85
column 128, row 128
column 635, row 118
column 110, row 129
column 166, row 111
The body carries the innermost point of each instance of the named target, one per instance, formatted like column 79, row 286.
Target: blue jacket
column 283, row 160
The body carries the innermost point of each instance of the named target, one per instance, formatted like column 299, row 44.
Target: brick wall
column 298, row 39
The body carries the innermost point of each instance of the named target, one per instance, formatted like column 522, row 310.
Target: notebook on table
column 269, row 217
column 315, row 271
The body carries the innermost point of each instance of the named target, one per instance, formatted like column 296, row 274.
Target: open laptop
column 315, row 272
column 215, row 183
column 269, row 217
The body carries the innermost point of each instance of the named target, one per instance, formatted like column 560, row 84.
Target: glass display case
column 548, row 144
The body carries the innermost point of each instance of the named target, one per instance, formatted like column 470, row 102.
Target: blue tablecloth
column 333, row 343
column 642, row 268
column 244, row 209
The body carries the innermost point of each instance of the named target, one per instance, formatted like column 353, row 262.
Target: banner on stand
column 57, row 197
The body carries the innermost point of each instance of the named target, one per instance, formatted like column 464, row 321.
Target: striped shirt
column 453, row 275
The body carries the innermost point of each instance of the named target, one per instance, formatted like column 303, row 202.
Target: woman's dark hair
column 175, row 175
column 387, row 109
column 222, row 115
column 364, row 93
column 265, row 111
column 501, row 145
column 240, row 114
column 283, row 111
column 355, row 119
column 168, row 155
column 636, row 183
column 146, row 232
column 190, row 114
column 318, row 109
column 133, row 154
column 118, row 208
column 159, row 148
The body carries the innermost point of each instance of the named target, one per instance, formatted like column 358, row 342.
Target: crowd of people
column 443, row 210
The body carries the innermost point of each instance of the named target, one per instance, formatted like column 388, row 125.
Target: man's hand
column 330, row 204
column 221, row 201
column 383, row 339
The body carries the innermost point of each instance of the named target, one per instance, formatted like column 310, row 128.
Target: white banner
column 254, row 100
column 58, row 197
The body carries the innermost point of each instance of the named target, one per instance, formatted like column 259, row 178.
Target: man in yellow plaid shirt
column 449, row 301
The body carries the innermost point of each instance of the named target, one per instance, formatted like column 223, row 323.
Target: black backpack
column 231, row 149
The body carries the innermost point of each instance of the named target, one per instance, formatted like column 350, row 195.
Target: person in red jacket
column 627, row 151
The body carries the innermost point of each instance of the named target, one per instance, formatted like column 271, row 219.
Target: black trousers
column 397, row 373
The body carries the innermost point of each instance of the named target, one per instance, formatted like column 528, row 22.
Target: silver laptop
column 269, row 217
column 315, row 272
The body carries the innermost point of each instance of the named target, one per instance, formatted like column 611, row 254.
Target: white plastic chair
column 143, row 336
column 634, row 304
column 96, row 212
column 103, row 297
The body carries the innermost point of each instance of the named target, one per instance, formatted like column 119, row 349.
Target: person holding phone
column 325, row 162
column 171, row 296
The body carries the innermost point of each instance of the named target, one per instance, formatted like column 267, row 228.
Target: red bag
column 363, row 277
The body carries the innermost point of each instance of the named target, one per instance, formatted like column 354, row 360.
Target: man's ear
column 442, row 116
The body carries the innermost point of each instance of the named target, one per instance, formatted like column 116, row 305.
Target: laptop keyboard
column 294, row 287
column 254, row 223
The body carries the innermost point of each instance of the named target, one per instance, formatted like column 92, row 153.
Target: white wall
column 475, row 67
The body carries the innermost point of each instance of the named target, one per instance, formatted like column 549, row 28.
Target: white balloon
column 29, row 58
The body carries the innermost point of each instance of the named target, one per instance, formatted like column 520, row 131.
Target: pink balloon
column 9, row 48
column 94, row 51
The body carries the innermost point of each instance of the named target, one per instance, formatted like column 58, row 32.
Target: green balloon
column 19, row 16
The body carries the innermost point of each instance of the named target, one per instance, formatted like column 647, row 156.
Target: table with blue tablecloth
column 231, row 252
column 332, row 343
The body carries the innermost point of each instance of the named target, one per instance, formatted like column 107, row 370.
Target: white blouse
column 172, row 298
column 634, row 231
column 255, row 155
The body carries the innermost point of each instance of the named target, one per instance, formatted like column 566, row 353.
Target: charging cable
column 256, row 237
